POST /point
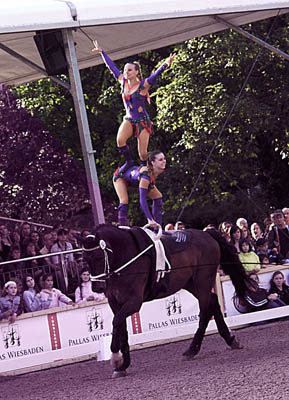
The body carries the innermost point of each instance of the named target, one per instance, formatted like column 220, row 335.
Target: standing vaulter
column 144, row 178
column 134, row 93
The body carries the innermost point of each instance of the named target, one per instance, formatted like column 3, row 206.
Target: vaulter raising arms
column 144, row 178
column 135, row 92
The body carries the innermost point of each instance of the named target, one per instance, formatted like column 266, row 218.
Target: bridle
column 107, row 274
column 102, row 245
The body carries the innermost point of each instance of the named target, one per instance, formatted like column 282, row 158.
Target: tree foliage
column 246, row 173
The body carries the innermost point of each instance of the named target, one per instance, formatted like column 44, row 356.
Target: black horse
column 126, row 260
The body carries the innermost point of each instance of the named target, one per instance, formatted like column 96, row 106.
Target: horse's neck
column 119, row 240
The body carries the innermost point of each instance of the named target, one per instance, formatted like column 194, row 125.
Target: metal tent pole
column 252, row 37
column 84, row 132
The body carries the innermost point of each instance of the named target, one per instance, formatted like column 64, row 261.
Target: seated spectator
column 25, row 231
column 31, row 295
column 286, row 215
column 263, row 250
column 29, row 251
column 278, row 238
column 36, row 240
column 247, row 235
column 5, row 242
column 10, row 304
column 268, row 225
column 235, row 236
column 241, row 222
column 85, row 232
column 51, row 297
column 46, row 249
column 256, row 232
column 257, row 299
column 15, row 236
column 278, row 285
column 84, row 291
column 224, row 228
column 63, row 264
column 4, row 250
column 13, row 267
column 179, row 226
column 264, row 260
column 169, row 227
column 248, row 257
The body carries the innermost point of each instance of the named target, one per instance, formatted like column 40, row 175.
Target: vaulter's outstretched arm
column 108, row 61
column 151, row 80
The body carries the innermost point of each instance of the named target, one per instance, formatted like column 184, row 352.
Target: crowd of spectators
column 34, row 284
column 39, row 283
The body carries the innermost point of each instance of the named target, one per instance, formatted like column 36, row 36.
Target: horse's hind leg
column 196, row 343
column 204, row 297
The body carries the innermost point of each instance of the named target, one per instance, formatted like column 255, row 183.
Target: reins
column 107, row 274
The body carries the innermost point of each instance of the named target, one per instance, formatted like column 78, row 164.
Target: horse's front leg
column 120, row 358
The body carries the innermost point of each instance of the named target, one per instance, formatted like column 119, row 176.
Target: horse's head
column 98, row 255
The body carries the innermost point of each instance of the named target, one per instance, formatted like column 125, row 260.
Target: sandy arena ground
column 259, row 371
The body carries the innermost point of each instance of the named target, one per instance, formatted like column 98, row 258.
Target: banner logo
column 173, row 305
column 11, row 336
column 94, row 320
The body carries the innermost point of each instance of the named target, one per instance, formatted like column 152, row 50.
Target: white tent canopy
column 123, row 27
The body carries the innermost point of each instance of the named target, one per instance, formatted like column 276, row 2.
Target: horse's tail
column 231, row 264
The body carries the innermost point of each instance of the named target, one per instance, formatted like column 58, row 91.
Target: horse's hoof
column 118, row 374
column 236, row 345
column 191, row 353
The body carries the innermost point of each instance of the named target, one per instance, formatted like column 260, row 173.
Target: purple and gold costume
column 135, row 103
column 132, row 177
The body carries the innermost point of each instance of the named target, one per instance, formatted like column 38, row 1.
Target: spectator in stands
column 278, row 285
column 169, row 227
column 264, row 260
column 29, row 251
column 278, row 238
column 268, row 224
column 13, row 267
column 63, row 264
column 84, row 291
column 25, row 231
column 179, row 226
column 5, row 243
column 72, row 238
column 54, row 236
column 258, row 298
column 248, row 257
column 31, row 295
column 85, row 232
column 4, row 249
column 286, row 215
column 263, row 250
column 241, row 222
column 46, row 249
column 224, row 229
column 256, row 232
column 15, row 236
column 51, row 297
column 36, row 240
column 235, row 236
column 10, row 306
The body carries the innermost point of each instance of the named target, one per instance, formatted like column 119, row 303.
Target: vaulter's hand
column 96, row 46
